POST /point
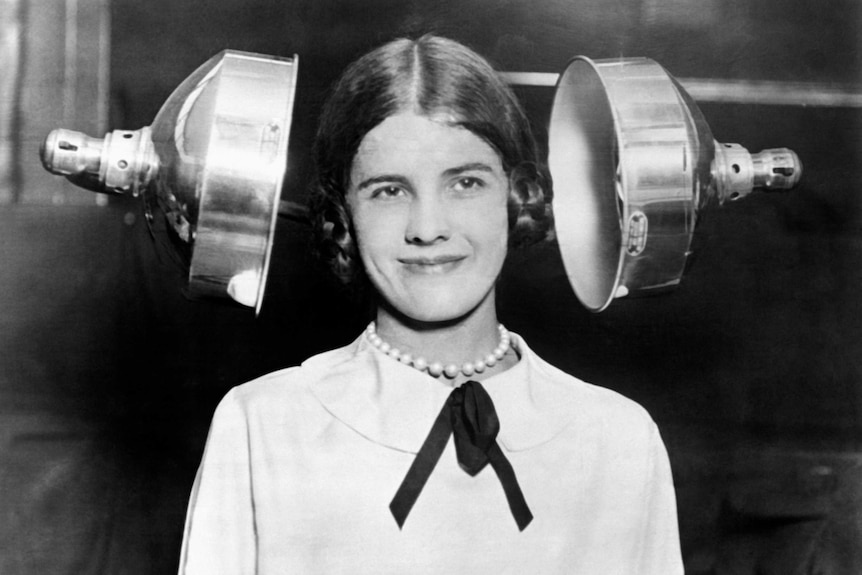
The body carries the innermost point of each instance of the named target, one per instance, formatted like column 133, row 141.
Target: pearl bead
column 436, row 369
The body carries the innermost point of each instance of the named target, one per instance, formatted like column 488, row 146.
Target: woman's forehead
column 409, row 140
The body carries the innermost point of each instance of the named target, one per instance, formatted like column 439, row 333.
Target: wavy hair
column 428, row 76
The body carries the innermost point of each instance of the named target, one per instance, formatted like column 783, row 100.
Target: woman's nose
column 428, row 221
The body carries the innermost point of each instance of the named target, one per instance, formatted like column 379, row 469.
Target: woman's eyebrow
column 382, row 179
column 471, row 167
column 448, row 173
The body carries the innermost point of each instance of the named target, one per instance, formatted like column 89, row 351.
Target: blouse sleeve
column 661, row 547
column 219, row 532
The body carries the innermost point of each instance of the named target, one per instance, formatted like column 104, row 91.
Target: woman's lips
column 432, row 265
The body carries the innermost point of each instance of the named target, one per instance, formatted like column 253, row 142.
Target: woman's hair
column 428, row 76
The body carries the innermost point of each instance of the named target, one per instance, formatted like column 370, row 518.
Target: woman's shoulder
column 598, row 394
column 592, row 402
column 540, row 402
column 288, row 386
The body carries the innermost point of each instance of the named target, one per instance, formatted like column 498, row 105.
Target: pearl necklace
column 436, row 368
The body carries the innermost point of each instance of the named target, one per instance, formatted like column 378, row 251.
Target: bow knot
column 469, row 415
column 474, row 425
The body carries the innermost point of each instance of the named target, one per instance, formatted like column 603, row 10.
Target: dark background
column 109, row 375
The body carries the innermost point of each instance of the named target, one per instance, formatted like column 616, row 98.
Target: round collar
column 395, row 405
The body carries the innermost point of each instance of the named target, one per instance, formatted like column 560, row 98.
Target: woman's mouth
column 432, row 265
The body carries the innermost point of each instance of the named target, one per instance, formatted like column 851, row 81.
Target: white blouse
column 300, row 467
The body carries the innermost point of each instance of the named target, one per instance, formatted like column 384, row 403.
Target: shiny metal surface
column 633, row 162
column 225, row 145
column 212, row 163
column 120, row 163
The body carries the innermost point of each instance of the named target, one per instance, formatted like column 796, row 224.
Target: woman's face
column 428, row 202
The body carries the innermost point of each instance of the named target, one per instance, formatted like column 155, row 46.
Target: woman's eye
column 468, row 184
column 387, row 192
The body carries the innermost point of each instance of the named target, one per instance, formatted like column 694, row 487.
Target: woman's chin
column 434, row 309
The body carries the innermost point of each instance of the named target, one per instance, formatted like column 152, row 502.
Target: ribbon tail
column 424, row 463
column 514, row 496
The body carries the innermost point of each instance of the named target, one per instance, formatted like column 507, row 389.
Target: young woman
column 437, row 442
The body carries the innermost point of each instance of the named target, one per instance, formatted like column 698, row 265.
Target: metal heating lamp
column 633, row 163
column 212, row 162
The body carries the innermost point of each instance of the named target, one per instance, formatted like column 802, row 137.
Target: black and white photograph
column 430, row 287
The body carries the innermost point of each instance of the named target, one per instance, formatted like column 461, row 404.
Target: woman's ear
column 530, row 217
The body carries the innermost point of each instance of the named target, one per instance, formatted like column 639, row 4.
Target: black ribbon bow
column 468, row 413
